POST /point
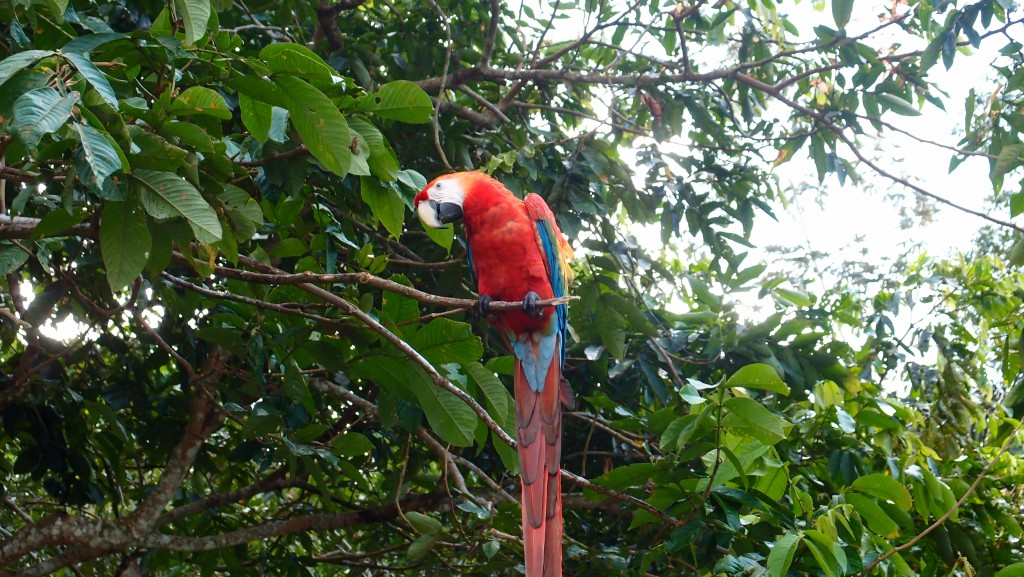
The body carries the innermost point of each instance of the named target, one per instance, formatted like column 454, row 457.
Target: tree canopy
column 264, row 363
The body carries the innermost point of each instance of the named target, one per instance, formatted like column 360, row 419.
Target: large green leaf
column 498, row 398
column 11, row 257
column 444, row 341
column 297, row 60
column 748, row 416
column 94, row 76
column 385, row 203
column 451, row 418
column 323, row 129
column 195, row 15
column 758, row 376
column 1015, row 570
column 873, row 515
column 382, row 161
column 96, row 160
column 201, row 100
column 17, row 62
column 184, row 198
column 40, row 112
column 841, row 12
column 1009, row 158
column 399, row 100
column 256, row 116
column 124, row 242
column 884, row 487
column 781, row 555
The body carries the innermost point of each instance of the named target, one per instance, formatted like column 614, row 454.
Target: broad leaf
column 884, row 487
column 297, row 60
column 201, row 100
column 748, row 416
column 96, row 161
column 444, row 341
column 781, row 555
column 195, row 15
column 758, row 376
column 41, row 112
column 873, row 515
column 386, row 204
column 185, row 199
column 94, row 76
column 124, row 242
column 399, row 100
column 20, row 61
column 323, row 129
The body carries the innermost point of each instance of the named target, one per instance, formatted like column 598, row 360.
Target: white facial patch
column 442, row 191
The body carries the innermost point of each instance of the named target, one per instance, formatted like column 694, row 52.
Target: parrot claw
column 530, row 305
column 482, row 308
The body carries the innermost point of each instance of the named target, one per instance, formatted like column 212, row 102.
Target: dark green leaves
column 124, row 242
column 96, row 161
column 195, row 14
column 399, row 100
column 749, row 417
column 40, row 112
column 323, row 129
column 166, row 194
column 758, row 376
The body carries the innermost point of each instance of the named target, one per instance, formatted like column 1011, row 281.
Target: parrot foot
column 530, row 305
column 483, row 306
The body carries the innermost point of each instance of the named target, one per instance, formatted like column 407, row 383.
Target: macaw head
column 441, row 202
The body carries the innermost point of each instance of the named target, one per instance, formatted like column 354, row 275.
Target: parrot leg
column 483, row 305
column 530, row 305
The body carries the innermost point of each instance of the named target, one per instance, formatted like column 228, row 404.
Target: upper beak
column 438, row 214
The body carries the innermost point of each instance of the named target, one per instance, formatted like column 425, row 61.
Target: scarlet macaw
column 517, row 253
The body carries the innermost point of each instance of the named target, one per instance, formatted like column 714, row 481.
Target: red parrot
column 517, row 253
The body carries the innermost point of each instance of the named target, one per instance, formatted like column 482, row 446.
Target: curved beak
column 437, row 214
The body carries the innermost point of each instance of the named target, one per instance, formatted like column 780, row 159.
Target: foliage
column 217, row 196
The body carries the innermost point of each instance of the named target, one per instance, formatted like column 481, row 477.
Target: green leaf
column 382, row 161
column 11, row 257
column 40, row 112
column 195, row 15
column 17, row 62
column 1015, row 570
column 124, row 242
column 323, row 129
column 424, row 524
column 190, row 134
column 841, row 12
column 884, row 487
column 296, row 59
column 798, row 298
column 421, row 547
column 385, row 203
column 296, row 389
column 497, row 396
column 874, row 516
column 444, row 341
column 94, row 76
column 55, row 222
column 758, row 376
column 898, row 105
column 256, row 116
column 201, row 100
column 399, row 100
column 823, row 557
column 183, row 198
column 748, row 416
column 96, row 160
column 1008, row 159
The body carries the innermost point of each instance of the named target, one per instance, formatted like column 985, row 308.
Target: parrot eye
column 438, row 185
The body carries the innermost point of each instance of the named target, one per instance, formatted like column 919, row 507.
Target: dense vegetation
column 266, row 363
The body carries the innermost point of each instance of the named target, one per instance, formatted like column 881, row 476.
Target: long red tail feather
column 539, row 433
